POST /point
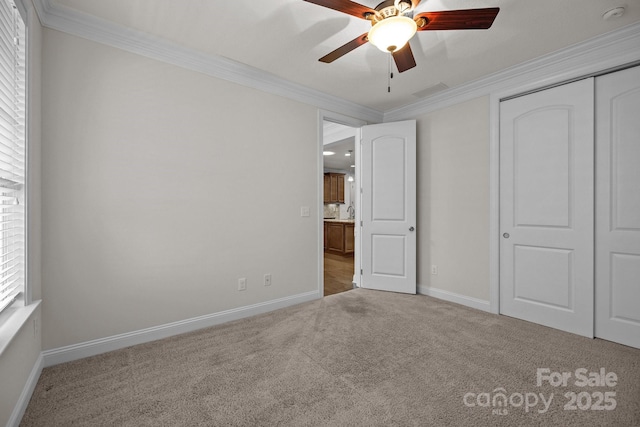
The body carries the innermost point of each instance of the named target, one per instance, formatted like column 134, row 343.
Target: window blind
column 12, row 153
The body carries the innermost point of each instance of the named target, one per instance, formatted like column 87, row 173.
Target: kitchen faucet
column 351, row 211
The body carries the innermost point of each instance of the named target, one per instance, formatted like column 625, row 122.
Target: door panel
column 388, row 255
column 388, row 153
column 550, row 286
column 541, row 149
column 618, row 207
column 388, row 179
column 546, row 207
column 625, row 270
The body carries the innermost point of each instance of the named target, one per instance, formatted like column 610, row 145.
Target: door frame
column 330, row 116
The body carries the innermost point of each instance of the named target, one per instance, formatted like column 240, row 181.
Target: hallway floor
column 338, row 273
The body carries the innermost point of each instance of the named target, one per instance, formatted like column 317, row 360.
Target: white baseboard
column 27, row 392
column 457, row 298
column 116, row 342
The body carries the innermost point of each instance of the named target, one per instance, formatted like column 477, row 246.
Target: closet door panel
column 618, row 207
column 546, row 207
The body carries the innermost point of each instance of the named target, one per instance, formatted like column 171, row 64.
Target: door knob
column 411, row 228
column 505, row 235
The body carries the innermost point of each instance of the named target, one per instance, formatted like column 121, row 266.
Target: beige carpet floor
column 359, row 358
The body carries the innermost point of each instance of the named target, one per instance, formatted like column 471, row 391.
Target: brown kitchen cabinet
column 327, row 188
column 349, row 238
column 333, row 187
column 339, row 237
column 325, row 235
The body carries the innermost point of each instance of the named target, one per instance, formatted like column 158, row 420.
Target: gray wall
column 453, row 199
column 163, row 186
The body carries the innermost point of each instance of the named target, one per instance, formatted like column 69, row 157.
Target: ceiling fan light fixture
column 391, row 34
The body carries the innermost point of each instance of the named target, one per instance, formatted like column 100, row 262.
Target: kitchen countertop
column 346, row 221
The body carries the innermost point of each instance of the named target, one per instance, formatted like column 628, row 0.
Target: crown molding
column 608, row 51
column 87, row 26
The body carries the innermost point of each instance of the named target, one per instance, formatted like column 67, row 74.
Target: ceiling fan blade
column 345, row 6
column 467, row 19
column 344, row 49
column 404, row 58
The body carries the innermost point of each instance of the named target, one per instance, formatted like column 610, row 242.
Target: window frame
column 13, row 177
column 14, row 317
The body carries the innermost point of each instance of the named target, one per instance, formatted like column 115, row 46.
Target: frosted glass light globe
column 391, row 34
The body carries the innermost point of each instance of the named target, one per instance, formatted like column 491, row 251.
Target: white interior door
column 618, row 207
column 546, row 207
column 388, row 207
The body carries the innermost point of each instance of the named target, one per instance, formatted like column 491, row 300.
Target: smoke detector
column 614, row 13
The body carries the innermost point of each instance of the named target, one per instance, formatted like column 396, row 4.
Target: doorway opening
column 339, row 206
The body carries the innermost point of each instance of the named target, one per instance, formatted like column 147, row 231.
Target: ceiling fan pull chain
column 389, row 76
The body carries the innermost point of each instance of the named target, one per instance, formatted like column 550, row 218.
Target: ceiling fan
column 393, row 24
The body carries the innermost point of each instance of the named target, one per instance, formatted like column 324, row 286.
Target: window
column 12, row 153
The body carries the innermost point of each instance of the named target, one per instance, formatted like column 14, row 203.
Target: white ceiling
column 340, row 140
column 285, row 38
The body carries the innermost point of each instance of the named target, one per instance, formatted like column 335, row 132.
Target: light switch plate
column 305, row 211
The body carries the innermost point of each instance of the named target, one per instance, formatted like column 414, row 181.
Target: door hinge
column 361, row 272
column 361, row 224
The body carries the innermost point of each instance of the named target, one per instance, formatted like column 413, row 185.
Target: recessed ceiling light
column 347, row 154
column 328, row 153
column 353, row 166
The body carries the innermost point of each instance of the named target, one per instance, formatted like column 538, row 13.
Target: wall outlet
column 242, row 284
column 305, row 211
column 434, row 269
column 267, row 279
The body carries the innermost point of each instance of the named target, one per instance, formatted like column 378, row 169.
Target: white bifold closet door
column 570, row 207
column 546, row 207
column 618, row 207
